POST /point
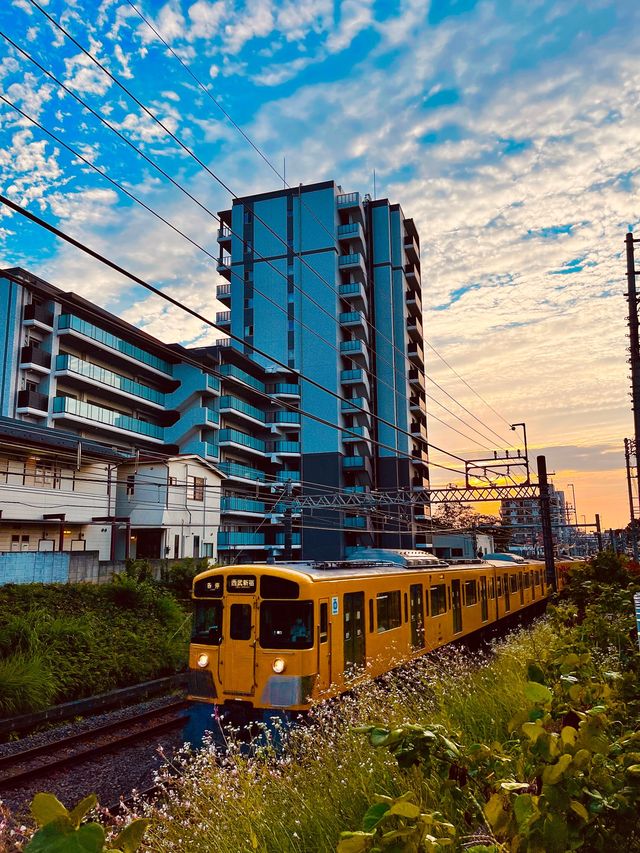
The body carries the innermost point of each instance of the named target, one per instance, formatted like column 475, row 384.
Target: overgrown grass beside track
column 62, row 642
column 477, row 775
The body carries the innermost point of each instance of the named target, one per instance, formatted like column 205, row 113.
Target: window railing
column 228, row 402
column 107, row 417
column 223, row 317
column 242, row 438
column 239, row 538
column 348, row 199
column 242, row 505
column 70, row 321
column 107, row 377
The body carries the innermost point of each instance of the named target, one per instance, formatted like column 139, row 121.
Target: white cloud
column 83, row 75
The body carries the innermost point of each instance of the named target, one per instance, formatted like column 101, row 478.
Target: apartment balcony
column 223, row 293
column 417, row 403
column 236, row 472
column 224, row 237
column 223, row 342
column 356, row 522
column 418, row 430
column 296, row 540
column 235, row 541
column 223, row 319
column 412, row 274
column 236, row 438
column 411, row 248
column 416, row 354
column 99, row 377
column 353, row 262
column 355, row 406
column 414, row 328
column 346, row 200
column 285, row 390
column 32, row 402
column 413, row 301
column 38, row 316
column 230, row 371
column 283, row 420
column 356, row 435
column 351, row 233
column 224, row 266
column 353, row 320
column 284, row 448
column 69, row 324
column 67, row 408
column 32, row 358
column 354, row 293
column 416, row 378
column 354, row 463
column 212, row 383
column 243, row 507
column 356, row 378
column 355, row 350
column 289, row 476
column 194, row 418
column 356, row 490
column 232, row 406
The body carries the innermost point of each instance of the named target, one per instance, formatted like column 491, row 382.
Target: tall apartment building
column 327, row 285
column 523, row 517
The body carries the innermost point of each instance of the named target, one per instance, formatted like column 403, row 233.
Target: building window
column 207, row 549
column 196, row 488
column 388, row 610
column 47, row 476
column 173, row 481
column 131, row 485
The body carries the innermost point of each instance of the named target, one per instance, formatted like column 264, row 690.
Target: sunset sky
column 509, row 131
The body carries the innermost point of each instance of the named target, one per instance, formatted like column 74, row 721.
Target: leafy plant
column 62, row 831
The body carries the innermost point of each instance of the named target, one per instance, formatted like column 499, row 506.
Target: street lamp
column 526, row 450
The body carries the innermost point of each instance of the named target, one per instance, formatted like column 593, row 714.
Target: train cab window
column 388, row 610
column 207, row 623
column 406, row 608
column 438, row 600
column 286, row 625
column 324, row 622
column 470, row 593
column 371, row 615
column 240, row 625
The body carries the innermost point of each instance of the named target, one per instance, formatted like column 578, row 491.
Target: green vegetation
column 62, row 831
column 61, row 642
column 535, row 749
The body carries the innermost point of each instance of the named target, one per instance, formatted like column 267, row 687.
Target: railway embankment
column 533, row 746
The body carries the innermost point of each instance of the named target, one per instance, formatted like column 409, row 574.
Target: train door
column 323, row 642
column 521, row 588
column 507, row 594
column 484, row 604
column 416, row 616
column 456, row 606
column 239, row 650
column 354, row 647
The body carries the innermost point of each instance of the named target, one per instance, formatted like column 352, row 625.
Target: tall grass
column 298, row 800
column 26, row 684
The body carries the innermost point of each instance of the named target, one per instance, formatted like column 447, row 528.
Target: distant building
column 523, row 519
column 456, row 545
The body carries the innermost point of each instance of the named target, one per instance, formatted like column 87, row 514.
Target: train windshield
column 286, row 624
column 207, row 623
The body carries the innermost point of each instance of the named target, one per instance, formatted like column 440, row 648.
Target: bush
column 181, row 575
column 126, row 591
column 26, row 684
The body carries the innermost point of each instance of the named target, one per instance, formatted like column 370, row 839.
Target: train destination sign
column 211, row 587
column 241, row 583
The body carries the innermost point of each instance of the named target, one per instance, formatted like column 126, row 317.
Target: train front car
column 257, row 631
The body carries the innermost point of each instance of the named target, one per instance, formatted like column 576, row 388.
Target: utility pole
column 598, row 531
column 545, row 518
column 629, row 448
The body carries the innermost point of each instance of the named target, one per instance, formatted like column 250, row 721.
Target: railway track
column 38, row 762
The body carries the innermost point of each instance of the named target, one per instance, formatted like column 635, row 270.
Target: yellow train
column 279, row 637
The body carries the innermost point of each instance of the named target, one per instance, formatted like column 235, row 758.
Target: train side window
column 513, row 582
column 426, row 601
column 438, row 600
column 324, row 622
column 449, row 592
column 499, row 587
column 470, row 593
column 371, row 615
column 389, row 612
column 492, row 588
column 406, row 608
column 536, row 576
column 527, row 580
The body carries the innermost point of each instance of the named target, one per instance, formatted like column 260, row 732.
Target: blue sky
column 510, row 131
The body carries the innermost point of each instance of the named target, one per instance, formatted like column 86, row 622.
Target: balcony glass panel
column 213, row 382
column 351, row 346
column 223, row 317
column 349, row 260
column 239, row 538
column 242, row 438
column 348, row 228
column 107, row 377
column 283, row 418
column 69, row 321
column 357, row 521
column 228, row 402
column 234, row 469
column 106, row 416
column 355, row 402
column 235, row 372
column 348, row 199
column 353, row 461
column 242, row 505
column 351, row 317
column 283, row 476
column 212, row 450
column 212, row 416
column 352, row 288
column 295, row 538
column 285, row 447
column 352, row 375
column 286, row 388
column 359, row 431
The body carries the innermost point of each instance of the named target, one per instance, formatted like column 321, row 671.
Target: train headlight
column 203, row 660
column 278, row 665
